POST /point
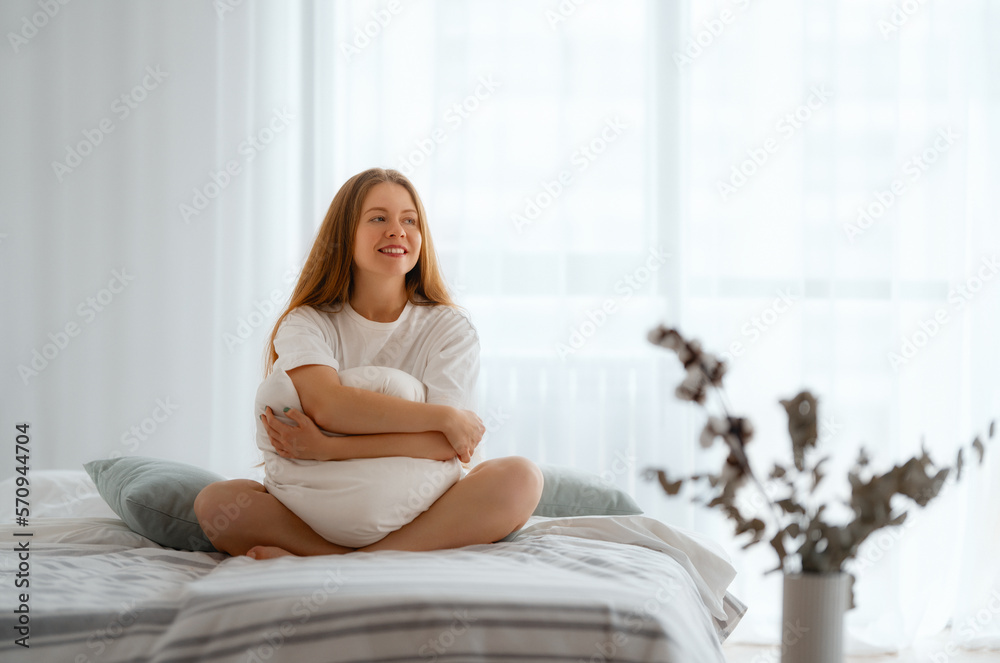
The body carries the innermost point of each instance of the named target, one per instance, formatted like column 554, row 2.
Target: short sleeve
column 452, row 373
column 301, row 340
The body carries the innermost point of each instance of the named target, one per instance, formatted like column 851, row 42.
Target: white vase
column 812, row 617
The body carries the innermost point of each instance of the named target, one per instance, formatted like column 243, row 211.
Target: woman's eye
column 411, row 222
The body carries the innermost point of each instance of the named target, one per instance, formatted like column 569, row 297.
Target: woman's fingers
column 295, row 440
column 272, row 432
column 279, row 427
column 301, row 419
column 278, row 433
column 464, row 432
column 279, row 446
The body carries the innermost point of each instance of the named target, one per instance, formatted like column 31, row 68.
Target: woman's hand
column 304, row 441
column 464, row 429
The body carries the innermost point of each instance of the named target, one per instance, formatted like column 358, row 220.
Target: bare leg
column 496, row 498
column 240, row 514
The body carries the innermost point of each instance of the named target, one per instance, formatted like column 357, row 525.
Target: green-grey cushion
column 572, row 492
column 155, row 497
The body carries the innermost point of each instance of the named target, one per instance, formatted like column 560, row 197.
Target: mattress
column 592, row 588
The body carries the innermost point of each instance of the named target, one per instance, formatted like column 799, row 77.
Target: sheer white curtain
column 841, row 154
column 819, row 110
column 527, row 137
column 570, row 161
column 158, row 182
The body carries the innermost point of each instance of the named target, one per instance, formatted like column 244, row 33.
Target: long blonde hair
column 326, row 275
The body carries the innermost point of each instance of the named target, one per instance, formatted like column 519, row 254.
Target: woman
column 373, row 259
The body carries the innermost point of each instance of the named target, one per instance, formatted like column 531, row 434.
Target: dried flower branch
column 799, row 531
column 802, row 426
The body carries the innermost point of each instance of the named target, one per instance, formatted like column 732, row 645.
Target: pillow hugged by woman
column 367, row 409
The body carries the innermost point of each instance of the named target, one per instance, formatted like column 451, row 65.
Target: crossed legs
column 494, row 499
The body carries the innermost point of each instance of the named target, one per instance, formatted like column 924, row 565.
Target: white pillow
column 359, row 501
column 80, row 530
column 55, row 494
column 65, row 507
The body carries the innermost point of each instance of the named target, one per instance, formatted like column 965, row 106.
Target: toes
column 267, row 552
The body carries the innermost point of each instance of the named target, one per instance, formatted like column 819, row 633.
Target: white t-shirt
column 358, row 501
column 438, row 345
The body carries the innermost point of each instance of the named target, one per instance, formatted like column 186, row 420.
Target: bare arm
column 351, row 411
column 429, row 444
column 306, row 441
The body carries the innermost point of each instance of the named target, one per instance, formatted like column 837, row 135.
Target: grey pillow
column 572, row 492
column 155, row 497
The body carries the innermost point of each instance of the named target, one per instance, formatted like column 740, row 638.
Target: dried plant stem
column 819, row 547
column 723, row 401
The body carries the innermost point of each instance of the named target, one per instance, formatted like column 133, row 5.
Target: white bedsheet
column 551, row 593
column 702, row 558
column 625, row 588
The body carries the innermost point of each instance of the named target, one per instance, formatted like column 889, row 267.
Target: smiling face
column 387, row 242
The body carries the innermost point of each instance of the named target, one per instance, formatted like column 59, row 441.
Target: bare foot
column 267, row 552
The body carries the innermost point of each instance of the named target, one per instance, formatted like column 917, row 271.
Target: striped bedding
column 592, row 588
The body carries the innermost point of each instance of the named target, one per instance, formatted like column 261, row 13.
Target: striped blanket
column 591, row 588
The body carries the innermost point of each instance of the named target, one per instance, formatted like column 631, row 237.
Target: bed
column 584, row 588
